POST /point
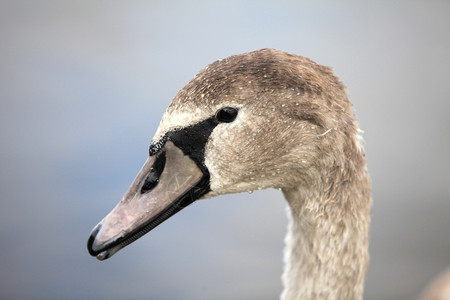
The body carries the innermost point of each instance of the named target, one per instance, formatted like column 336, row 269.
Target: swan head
column 251, row 121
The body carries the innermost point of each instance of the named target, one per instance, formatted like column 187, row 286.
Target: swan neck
column 326, row 251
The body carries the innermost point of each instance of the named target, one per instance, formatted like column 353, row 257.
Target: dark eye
column 226, row 114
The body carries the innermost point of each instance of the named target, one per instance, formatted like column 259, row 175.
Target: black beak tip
column 91, row 240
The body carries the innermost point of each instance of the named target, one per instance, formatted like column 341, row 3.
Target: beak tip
column 91, row 243
column 97, row 248
column 102, row 255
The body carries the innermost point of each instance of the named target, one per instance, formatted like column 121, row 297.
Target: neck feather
column 326, row 253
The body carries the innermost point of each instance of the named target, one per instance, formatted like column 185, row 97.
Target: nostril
column 90, row 243
column 152, row 179
column 150, row 182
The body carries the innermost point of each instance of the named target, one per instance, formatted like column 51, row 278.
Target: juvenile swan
column 264, row 119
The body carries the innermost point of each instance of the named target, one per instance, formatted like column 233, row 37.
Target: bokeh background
column 83, row 85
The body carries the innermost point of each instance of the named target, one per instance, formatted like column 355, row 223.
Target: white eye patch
column 180, row 118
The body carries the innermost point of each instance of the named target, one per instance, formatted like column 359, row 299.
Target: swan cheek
column 225, row 179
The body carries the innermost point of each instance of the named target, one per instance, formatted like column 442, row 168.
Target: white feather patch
column 179, row 118
column 359, row 140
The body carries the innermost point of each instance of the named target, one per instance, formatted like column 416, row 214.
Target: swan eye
column 226, row 114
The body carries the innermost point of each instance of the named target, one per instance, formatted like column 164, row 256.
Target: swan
column 262, row 119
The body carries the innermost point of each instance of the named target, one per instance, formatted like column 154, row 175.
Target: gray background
column 83, row 86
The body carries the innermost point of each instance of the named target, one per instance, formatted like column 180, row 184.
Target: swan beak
column 168, row 182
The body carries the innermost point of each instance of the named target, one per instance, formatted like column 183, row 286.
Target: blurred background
column 83, row 85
